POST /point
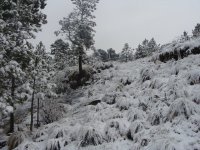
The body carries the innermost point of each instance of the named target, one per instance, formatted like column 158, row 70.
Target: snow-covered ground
column 139, row 105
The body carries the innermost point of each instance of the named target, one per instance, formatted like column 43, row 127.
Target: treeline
column 127, row 53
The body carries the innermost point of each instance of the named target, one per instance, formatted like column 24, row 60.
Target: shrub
column 123, row 103
column 114, row 130
column 40, row 135
column 16, row 139
column 146, row 74
column 135, row 128
column 29, row 146
column 194, row 77
column 90, row 136
column 51, row 111
column 135, row 114
column 102, row 66
column 109, row 98
column 75, row 79
column 58, row 132
column 54, row 144
column 163, row 144
column 181, row 107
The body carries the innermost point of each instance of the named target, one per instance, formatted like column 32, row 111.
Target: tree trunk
column 12, row 122
column 33, row 96
column 32, row 101
column 80, row 65
column 38, row 109
column 12, row 118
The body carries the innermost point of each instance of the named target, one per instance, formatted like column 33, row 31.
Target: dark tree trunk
column 80, row 65
column 12, row 122
column 38, row 112
column 33, row 97
column 32, row 101
column 12, row 118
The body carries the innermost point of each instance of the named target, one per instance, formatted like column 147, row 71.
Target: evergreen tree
column 78, row 27
column 152, row 46
column 196, row 31
column 127, row 53
column 140, row 53
column 184, row 37
column 146, row 48
column 18, row 22
column 41, row 76
column 101, row 55
column 112, row 54
column 63, row 54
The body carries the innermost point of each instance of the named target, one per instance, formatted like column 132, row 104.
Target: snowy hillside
column 137, row 105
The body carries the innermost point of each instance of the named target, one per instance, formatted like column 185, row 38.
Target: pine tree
column 63, row 55
column 78, row 27
column 196, row 31
column 126, row 54
column 184, row 37
column 152, row 46
column 146, row 49
column 112, row 54
column 41, row 76
column 139, row 52
column 18, row 22
column 101, row 55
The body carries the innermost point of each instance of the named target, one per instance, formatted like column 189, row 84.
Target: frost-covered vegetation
column 158, row 109
column 147, row 100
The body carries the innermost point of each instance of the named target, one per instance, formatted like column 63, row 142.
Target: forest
column 62, row 98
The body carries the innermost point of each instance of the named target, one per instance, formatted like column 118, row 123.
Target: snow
column 143, row 106
column 178, row 46
column 190, row 43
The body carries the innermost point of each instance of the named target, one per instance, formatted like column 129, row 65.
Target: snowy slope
column 140, row 105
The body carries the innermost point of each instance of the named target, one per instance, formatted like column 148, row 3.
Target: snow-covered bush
column 135, row 128
column 54, row 144
column 196, row 95
column 155, row 118
column 115, row 130
column 157, row 83
column 194, row 77
column 75, row 80
column 146, row 74
column 195, row 121
column 158, row 113
column 182, row 107
column 126, row 81
column 90, row 136
column 123, row 103
column 163, row 144
column 16, row 138
column 40, row 135
column 58, row 132
column 60, row 79
column 175, row 70
column 20, row 113
column 178, row 50
column 102, row 66
column 51, row 111
column 29, row 146
column 135, row 114
column 109, row 98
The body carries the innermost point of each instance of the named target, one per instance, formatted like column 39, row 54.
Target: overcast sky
column 131, row 21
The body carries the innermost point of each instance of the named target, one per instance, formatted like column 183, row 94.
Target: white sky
column 131, row 21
